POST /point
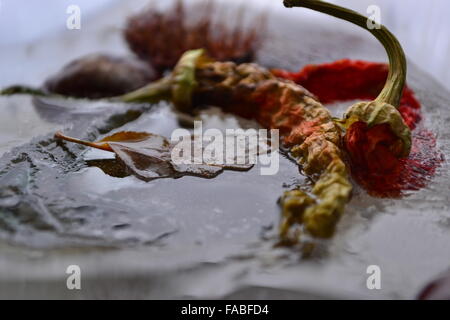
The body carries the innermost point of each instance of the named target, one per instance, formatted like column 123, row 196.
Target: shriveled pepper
column 306, row 126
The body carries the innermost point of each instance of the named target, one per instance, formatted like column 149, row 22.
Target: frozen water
column 191, row 237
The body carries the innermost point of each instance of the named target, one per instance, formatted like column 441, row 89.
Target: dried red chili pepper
column 377, row 138
column 306, row 126
column 348, row 80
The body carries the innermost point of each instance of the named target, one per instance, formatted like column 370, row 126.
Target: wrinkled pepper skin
column 307, row 129
column 305, row 126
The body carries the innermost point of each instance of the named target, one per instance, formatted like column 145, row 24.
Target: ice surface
column 191, row 237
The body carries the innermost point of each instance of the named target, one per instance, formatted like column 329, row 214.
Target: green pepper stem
column 18, row 89
column 153, row 92
column 393, row 88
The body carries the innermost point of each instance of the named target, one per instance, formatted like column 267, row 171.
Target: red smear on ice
column 373, row 164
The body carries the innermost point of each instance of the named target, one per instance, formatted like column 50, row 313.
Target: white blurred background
column 423, row 27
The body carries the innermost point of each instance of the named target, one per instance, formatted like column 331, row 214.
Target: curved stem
column 393, row 88
column 153, row 92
